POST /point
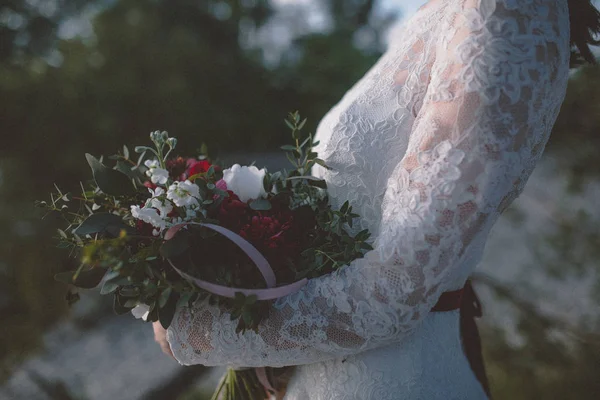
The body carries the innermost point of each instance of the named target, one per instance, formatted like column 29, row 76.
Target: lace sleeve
column 495, row 89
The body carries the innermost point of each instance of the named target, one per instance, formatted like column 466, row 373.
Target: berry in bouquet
column 165, row 231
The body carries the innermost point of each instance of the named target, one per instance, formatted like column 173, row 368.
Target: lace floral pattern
column 429, row 147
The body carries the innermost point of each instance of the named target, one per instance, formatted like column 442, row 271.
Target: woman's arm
column 495, row 90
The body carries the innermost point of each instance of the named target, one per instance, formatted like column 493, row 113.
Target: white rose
column 245, row 182
column 141, row 311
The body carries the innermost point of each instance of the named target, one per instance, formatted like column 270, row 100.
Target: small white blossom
column 157, row 175
column 245, row 182
column 148, row 215
column 141, row 311
column 184, row 194
column 159, row 202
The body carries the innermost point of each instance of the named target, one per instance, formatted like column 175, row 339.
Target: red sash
column 467, row 301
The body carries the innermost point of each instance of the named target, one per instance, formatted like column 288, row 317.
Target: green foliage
column 102, row 223
column 110, row 181
column 575, row 139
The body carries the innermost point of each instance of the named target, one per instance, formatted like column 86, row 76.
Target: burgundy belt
column 467, row 301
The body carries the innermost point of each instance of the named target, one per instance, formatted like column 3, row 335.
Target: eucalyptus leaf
column 87, row 279
column 103, row 223
column 110, row 181
column 126, row 169
column 109, row 287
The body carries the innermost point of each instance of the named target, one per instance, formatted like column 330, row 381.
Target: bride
column 429, row 147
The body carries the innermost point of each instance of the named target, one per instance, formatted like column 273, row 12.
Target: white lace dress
column 430, row 147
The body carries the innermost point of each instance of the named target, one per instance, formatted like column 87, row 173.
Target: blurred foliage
column 576, row 135
column 180, row 66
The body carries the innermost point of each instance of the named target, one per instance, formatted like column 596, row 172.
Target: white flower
column 141, row 311
column 159, row 202
column 184, row 194
column 157, row 175
column 245, row 182
column 148, row 215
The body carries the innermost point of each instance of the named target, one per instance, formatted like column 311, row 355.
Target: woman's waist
column 429, row 353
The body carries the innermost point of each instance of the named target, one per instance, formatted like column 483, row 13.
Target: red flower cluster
column 274, row 233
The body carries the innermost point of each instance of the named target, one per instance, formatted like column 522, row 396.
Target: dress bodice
column 429, row 147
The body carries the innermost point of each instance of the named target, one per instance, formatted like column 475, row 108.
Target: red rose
column 233, row 213
column 197, row 167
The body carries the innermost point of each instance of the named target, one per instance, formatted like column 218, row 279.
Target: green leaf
column 166, row 312
column 87, row 279
column 125, row 152
column 102, row 222
column 320, row 183
column 211, row 171
column 288, row 147
column 322, row 163
column 129, row 292
column 247, row 317
column 260, row 205
column 345, row 207
column 109, row 287
column 142, row 149
column 110, row 181
column 366, row 246
column 119, row 308
column 125, row 168
column 131, row 303
column 164, row 296
column 184, row 299
column 175, row 246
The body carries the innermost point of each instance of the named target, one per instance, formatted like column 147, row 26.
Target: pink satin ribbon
column 261, row 262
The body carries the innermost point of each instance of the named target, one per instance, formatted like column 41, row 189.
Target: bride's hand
column 160, row 336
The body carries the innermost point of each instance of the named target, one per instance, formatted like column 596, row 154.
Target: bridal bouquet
column 161, row 232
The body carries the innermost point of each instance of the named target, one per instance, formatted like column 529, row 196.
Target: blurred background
column 88, row 76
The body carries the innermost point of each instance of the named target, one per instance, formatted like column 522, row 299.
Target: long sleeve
column 495, row 89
